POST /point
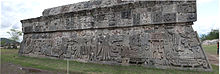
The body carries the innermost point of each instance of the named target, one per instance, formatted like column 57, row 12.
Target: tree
column 203, row 37
column 214, row 34
column 2, row 43
column 15, row 34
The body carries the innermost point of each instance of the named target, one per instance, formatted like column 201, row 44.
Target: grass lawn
column 77, row 67
column 211, row 49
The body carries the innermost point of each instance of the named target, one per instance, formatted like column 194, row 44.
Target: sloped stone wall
column 149, row 33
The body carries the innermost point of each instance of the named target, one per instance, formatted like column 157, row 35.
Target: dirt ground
column 213, row 59
column 9, row 68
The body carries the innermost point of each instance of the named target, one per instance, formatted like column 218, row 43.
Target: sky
column 12, row 11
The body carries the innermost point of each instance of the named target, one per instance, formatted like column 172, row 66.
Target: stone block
column 170, row 8
column 136, row 19
column 169, row 17
column 156, row 17
column 126, row 14
column 184, row 17
column 28, row 29
column 186, row 8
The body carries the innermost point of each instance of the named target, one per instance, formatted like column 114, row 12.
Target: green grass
column 211, row 49
column 78, row 67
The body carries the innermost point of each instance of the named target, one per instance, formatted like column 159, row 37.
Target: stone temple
column 151, row 33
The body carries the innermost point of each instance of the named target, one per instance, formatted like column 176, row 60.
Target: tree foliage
column 214, row 34
column 15, row 34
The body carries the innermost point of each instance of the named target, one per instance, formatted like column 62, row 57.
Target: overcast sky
column 12, row 11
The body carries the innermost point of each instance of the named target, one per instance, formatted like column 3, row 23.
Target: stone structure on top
column 151, row 33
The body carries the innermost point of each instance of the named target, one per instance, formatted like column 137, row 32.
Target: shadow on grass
column 78, row 67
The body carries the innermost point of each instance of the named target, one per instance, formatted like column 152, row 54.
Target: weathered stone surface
column 119, row 15
column 150, row 33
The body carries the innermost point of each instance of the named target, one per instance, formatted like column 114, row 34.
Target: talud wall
column 150, row 33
